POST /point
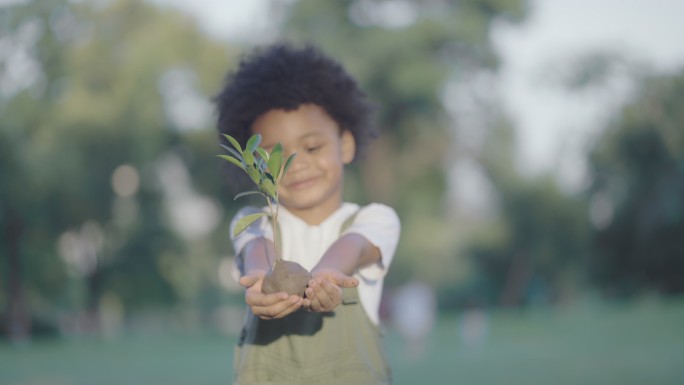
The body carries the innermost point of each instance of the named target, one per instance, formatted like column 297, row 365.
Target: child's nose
column 298, row 163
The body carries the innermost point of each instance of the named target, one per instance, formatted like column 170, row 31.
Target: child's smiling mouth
column 301, row 183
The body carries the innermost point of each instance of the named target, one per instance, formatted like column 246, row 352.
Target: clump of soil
column 286, row 276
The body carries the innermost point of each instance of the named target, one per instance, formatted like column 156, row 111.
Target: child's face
column 312, row 187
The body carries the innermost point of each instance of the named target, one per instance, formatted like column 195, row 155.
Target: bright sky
column 554, row 127
column 242, row 20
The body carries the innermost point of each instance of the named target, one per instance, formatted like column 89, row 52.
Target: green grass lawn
column 584, row 345
column 608, row 344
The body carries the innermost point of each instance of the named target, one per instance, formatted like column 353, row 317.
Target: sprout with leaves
column 266, row 170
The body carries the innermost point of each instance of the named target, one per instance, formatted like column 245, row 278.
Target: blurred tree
column 637, row 193
column 542, row 237
column 534, row 250
column 120, row 87
column 29, row 68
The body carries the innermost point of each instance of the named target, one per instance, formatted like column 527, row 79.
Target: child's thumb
column 348, row 282
column 248, row 280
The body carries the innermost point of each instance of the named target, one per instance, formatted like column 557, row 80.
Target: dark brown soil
column 286, row 276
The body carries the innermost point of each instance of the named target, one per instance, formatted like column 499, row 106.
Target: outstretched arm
column 333, row 272
column 258, row 257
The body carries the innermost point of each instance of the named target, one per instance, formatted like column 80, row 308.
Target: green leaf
column 253, row 143
column 263, row 153
column 288, row 163
column 233, row 142
column 253, row 174
column 248, row 157
column 268, row 187
column 232, row 151
column 233, row 161
column 261, row 165
column 245, row 222
column 276, row 160
column 244, row 193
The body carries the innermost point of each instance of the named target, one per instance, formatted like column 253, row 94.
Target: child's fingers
column 312, row 302
column 267, row 306
column 279, row 309
column 255, row 297
column 350, row 282
column 323, row 295
column 330, row 296
column 250, row 279
column 338, row 278
column 296, row 304
column 345, row 281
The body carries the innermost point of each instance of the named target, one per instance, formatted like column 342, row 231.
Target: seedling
column 266, row 170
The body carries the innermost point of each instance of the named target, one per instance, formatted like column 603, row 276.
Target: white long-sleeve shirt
column 306, row 244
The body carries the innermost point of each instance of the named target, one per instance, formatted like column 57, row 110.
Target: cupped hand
column 324, row 292
column 267, row 306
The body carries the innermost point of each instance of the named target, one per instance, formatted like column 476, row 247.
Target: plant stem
column 274, row 225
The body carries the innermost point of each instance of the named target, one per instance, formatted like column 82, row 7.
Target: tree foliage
column 104, row 98
column 637, row 193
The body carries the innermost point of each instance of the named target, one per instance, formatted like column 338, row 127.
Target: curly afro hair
column 282, row 76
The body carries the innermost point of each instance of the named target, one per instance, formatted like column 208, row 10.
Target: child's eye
column 313, row 148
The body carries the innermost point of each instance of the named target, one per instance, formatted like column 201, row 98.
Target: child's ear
column 348, row 147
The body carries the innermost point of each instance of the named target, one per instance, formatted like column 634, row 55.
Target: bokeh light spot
column 125, row 181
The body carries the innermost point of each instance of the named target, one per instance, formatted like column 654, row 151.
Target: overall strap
column 348, row 222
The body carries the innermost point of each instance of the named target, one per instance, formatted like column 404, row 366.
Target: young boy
column 305, row 101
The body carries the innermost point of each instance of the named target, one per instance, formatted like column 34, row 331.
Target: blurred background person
column 413, row 315
column 473, row 326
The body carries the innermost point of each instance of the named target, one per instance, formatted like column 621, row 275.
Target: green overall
column 339, row 347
